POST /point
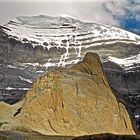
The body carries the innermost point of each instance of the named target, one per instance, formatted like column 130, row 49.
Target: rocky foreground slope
column 73, row 101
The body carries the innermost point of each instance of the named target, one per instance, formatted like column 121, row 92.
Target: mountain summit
column 66, row 33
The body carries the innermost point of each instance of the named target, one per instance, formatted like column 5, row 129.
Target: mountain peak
column 44, row 20
column 66, row 32
column 63, row 23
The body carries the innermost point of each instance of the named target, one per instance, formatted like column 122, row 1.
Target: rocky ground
column 35, row 136
column 108, row 137
column 15, row 135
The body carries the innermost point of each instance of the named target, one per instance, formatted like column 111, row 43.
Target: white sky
column 87, row 10
column 52, row 0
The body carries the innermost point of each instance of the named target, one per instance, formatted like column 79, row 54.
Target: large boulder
column 73, row 101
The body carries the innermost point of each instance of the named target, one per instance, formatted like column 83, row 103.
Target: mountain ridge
column 48, row 32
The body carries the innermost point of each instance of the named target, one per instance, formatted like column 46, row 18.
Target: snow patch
column 137, row 116
column 11, row 88
column 126, row 63
column 26, row 80
column 11, row 66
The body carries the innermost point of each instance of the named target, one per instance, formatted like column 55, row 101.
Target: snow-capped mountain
column 66, row 33
column 42, row 30
column 30, row 46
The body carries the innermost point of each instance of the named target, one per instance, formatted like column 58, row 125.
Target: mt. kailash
column 30, row 46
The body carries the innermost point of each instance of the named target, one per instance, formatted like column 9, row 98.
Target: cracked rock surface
column 73, row 101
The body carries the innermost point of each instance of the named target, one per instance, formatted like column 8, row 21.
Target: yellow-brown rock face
column 73, row 101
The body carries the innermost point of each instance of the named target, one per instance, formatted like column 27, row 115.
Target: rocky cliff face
column 71, row 101
column 126, row 84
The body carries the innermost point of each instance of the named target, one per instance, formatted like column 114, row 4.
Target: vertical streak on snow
column 70, row 39
column 78, row 46
column 49, row 45
column 79, row 50
column 64, row 56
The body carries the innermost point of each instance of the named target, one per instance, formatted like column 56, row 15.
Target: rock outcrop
column 73, row 101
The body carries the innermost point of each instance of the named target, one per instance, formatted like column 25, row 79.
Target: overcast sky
column 121, row 13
